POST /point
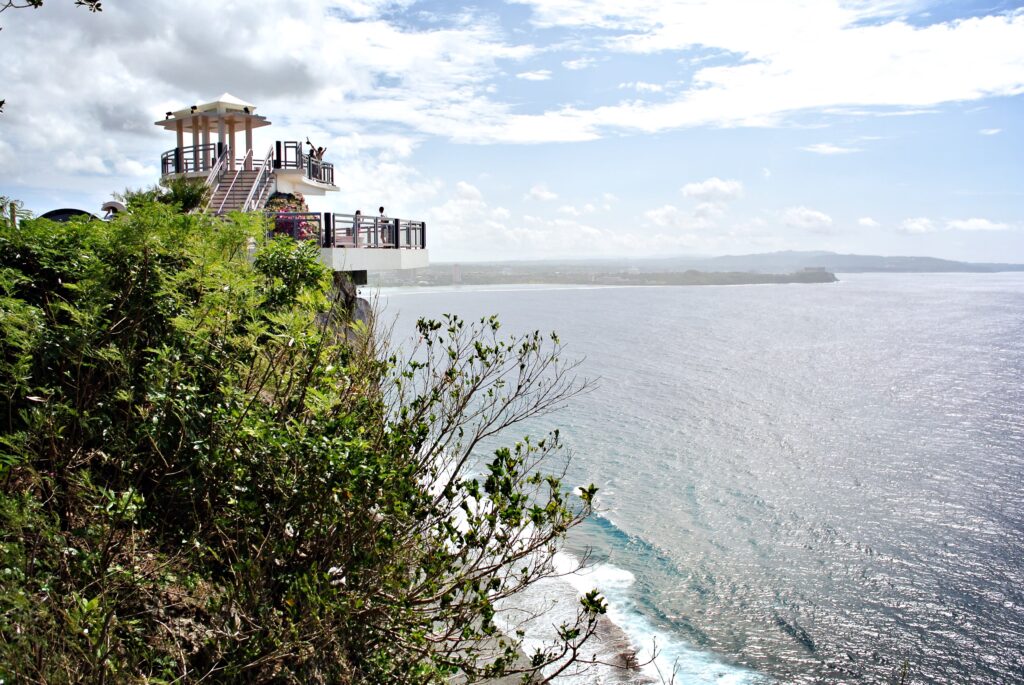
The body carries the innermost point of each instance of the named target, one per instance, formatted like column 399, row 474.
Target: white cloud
column 712, row 197
column 540, row 192
column 867, row 222
column 670, row 216
column 806, row 219
column 131, row 167
column 917, row 225
column 713, row 189
column 572, row 210
column 766, row 172
column 830, row 149
column 466, row 191
column 117, row 74
column 539, row 75
column 579, row 63
column 799, row 56
column 990, row 131
column 474, row 230
column 976, row 224
column 86, row 164
column 642, row 86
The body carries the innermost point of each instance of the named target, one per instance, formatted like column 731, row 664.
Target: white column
column 231, row 138
column 180, row 126
column 248, row 141
column 195, row 143
column 206, row 144
column 221, row 136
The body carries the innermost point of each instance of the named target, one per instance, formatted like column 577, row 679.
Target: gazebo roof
column 226, row 102
column 227, row 107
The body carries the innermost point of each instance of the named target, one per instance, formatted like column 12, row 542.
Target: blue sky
column 562, row 128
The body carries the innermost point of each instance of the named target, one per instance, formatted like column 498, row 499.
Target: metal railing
column 289, row 155
column 190, row 159
column 239, row 168
column 260, row 183
column 213, row 178
column 348, row 231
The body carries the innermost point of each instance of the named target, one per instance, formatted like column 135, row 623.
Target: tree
column 91, row 5
column 12, row 211
column 187, row 194
column 207, row 470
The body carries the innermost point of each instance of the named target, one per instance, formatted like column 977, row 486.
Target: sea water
column 799, row 483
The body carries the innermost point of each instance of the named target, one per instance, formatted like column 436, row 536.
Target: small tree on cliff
column 208, row 472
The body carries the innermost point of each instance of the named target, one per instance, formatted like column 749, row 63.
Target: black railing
column 288, row 154
column 349, row 231
column 190, row 159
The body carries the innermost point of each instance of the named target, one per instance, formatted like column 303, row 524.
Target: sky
column 553, row 129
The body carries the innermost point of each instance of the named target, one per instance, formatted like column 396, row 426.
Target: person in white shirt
column 384, row 230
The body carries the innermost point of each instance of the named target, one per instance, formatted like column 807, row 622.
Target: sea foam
column 625, row 635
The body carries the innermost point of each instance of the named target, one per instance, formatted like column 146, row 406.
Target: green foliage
column 187, row 194
column 10, row 205
column 208, row 472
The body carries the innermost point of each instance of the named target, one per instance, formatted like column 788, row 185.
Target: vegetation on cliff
column 208, row 472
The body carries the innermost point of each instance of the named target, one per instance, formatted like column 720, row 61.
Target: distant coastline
column 492, row 276
column 773, row 267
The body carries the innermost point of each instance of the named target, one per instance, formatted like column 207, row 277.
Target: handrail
column 187, row 159
column 349, row 231
column 214, row 175
column 238, row 171
column 217, row 168
column 267, row 164
column 292, row 157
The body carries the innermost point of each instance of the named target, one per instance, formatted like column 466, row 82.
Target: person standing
column 383, row 228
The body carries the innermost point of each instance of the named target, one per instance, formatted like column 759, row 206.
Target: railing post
column 327, row 226
column 177, row 160
column 277, row 154
column 423, row 235
column 395, row 232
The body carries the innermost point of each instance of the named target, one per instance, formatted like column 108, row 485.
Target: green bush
column 187, row 194
column 208, row 472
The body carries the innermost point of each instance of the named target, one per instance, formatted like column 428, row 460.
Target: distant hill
column 785, row 262
column 772, row 267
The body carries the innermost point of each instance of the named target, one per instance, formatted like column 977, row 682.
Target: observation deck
column 241, row 179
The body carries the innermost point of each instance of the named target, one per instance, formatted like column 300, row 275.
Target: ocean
column 799, row 483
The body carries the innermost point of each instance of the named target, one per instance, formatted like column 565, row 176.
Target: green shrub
column 208, row 472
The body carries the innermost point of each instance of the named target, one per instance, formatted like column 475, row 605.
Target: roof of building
column 226, row 106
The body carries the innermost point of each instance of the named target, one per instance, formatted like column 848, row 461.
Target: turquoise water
column 800, row 483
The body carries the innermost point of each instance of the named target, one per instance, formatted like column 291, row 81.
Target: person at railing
column 382, row 226
column 315, row 152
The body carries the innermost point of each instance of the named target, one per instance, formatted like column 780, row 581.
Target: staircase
column 231, row 193
column 244, row 190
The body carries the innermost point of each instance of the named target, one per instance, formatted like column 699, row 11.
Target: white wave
column 556, row 600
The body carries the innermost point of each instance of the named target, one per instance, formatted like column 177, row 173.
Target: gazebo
column 226, row 116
